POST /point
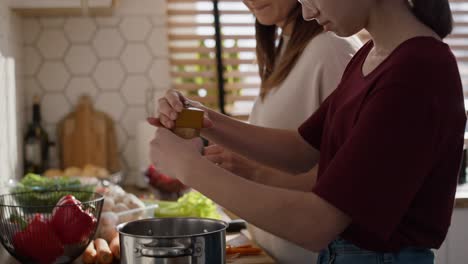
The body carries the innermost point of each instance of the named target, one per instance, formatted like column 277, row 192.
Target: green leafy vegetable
column 192, row 204
column 33, row 182
column 16, row 219
column 37, row 186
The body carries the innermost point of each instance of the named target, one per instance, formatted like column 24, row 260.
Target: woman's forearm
column 282, row 149
column 276, row 178
column 310, row 222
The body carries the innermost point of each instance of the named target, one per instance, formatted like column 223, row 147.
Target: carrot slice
column 244, row 251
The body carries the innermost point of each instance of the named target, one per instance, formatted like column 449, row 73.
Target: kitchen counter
column 6, row 258
column 460, row 202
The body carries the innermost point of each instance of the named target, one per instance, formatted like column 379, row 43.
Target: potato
column 53, row 173
column 72, row 171
column 102, row 173
column 89, row 170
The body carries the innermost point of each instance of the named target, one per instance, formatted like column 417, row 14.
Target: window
column 458, row 40
column 195, row 70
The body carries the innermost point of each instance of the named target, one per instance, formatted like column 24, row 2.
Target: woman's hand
column 231, row 161
column 170, row 106
column 171, row 154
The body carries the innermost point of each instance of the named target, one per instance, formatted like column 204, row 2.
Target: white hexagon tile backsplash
column 34, row 61
column 109, row 75
column 80, row 29
column 31, row 88
column 158, row 41
column 135, row 28
column 108, row 43
column 79, row 86
column 119, row 61
column 112, row 104
column 134, row 89
column 53, row 76
column 53, row 44
column 54, row 101
column 136, row 58
column 81, row 60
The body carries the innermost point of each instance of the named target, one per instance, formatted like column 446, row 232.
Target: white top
column 315, row 75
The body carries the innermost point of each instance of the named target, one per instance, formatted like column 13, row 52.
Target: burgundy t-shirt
column 390, row 146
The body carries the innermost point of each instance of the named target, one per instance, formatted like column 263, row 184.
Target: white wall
column 11, row 93
column 116, row 60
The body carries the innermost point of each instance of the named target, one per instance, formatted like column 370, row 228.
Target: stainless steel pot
column 173, row 241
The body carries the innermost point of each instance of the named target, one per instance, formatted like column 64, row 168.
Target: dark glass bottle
column 36, row 143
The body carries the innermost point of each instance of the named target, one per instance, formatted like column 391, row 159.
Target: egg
column 108, row 204
column 109, row 219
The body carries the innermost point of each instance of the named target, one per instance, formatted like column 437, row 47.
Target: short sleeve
column 312, row 129
column 331, row 63
column 377, row 172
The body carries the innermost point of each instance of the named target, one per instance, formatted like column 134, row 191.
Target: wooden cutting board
column 88, row 137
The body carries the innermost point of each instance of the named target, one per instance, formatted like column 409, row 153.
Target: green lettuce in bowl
column 37, row 185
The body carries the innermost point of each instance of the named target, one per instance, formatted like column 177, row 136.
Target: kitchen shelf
column 63, row 7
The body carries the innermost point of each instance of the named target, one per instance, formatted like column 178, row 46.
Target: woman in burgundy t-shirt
column 391, row 135
column 390, row 144
column 390, row 139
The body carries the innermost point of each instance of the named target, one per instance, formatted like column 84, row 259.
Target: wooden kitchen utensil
column 88, row 137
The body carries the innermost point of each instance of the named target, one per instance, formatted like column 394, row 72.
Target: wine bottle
column 36, row 143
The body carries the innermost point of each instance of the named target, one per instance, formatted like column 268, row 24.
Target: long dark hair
column 273, row 74
column 436, row 14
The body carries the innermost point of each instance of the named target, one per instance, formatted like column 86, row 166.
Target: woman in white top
column 297, row 75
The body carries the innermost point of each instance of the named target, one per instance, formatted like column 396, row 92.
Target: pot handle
column 164, row 252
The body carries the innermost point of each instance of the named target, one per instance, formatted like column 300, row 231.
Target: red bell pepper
column 163, row 182
column 71, row 223
column 38, row 241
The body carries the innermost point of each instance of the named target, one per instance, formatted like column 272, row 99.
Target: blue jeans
column 341, row 251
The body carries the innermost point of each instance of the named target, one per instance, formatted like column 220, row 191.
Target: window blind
column 192, row 49
column 458, row 40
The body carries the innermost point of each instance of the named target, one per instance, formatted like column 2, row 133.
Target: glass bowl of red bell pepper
column 53, row 232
